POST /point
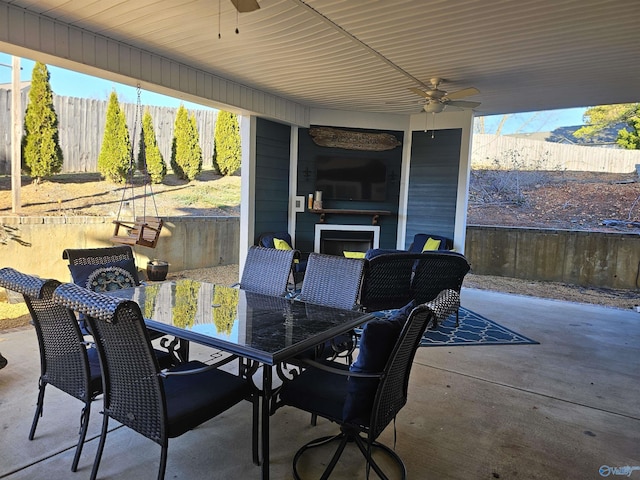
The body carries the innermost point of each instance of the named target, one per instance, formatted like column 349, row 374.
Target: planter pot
column 157, row 270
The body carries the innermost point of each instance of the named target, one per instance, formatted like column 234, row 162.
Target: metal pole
column 16, row 131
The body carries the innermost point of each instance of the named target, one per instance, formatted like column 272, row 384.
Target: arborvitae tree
column 186, row 154
column 115, row 152
column 149, row 151
column 226, row 144
column 41, row 152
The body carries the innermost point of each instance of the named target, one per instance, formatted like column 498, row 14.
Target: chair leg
column 457, row 318
column 366, row 451
column 103, row 438
column 39, row 408
column 84, row 424
column 318, row 442
column 254, row 430
column 163, row 459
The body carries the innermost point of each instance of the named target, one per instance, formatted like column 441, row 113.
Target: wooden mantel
column 375, row 214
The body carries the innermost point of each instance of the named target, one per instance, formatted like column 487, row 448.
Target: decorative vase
column 157, row 270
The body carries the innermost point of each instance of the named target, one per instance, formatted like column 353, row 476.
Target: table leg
column 266, row 405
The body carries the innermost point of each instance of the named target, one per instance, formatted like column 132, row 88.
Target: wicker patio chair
column 387, row 281
column 67, row 362
column 299, row 266
column 157, row 404
column 112, row 268
column 364, row 398
column 266, row 271
column 436, row 271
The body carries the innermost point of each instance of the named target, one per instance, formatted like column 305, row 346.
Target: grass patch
column 223, row 193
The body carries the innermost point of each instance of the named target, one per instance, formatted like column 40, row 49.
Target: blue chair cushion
column 374, row 252
column 105, row 278
column 378, row 338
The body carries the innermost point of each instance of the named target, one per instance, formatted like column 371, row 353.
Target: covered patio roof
column 359, row 56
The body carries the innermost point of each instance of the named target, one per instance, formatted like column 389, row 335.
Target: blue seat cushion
column 378, row 338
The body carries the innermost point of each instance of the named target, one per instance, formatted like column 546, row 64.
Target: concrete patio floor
column 562, row 409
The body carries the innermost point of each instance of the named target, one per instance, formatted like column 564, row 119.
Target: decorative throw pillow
column 378, row 338
column 431, row 244
column 104, row 278
column 354, row 254
column 281, row 244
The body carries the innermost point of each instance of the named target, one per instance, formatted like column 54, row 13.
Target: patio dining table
column 264, row 330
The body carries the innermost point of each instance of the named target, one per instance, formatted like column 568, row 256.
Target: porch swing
column 140, row 230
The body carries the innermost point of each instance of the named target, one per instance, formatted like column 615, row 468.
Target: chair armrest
column 338, row 371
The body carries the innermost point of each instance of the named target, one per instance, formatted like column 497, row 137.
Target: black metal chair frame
column 390, row 395
column 136, row 392
column 103, row 255
column 64, row 361
column 267, row 270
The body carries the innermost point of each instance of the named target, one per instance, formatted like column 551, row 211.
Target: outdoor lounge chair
column 67, row 362
column 364, row 398
column 157, row 404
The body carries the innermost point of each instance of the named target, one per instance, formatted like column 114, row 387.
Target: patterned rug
column 474, row 329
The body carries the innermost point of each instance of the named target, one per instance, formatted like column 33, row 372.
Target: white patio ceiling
column 364, row 55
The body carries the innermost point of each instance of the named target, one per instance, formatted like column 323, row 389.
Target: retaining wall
column 34, row 245
column 580, row 258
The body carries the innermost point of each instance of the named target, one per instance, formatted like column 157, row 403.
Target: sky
column 72, row 84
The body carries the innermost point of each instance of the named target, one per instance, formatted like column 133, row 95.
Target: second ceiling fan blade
column 463, row 104
column 465, row 92
column 422, row 93
column 244, row 6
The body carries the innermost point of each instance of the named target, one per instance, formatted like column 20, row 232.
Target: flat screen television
column 357, row 179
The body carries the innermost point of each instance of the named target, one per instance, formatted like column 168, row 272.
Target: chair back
column 134, row 394
column 391, row 394
column 266, row 270
column 420, row 239
column 100, row 269
column 387, row 281
column 332, row 281
column 63, row 353
column 437, row 271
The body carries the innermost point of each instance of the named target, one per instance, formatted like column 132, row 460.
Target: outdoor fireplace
column 335, row 239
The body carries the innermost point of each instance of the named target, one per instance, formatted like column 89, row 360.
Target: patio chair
column 437, row 271
column 112, row 268
column 282, row 241
column 333, row 281
column 387, row 281
column 157, row 404
column 67, row 362
column 364, row 398
column 266, row 271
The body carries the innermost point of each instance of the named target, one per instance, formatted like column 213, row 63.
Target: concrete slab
column 561, row 409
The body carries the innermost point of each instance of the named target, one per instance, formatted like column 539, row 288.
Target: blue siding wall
column 308, row 152
column 272, row 177
column 433, row 183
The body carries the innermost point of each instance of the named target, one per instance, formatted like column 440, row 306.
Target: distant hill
column 606, row 138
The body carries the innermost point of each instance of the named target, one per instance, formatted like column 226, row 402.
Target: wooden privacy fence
column 81, row 124
column 524, row 154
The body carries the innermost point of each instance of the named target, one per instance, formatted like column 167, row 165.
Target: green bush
column 115, row 152
column 149, row 153
column 41, row 152
column 226, row 150
column 186, row 154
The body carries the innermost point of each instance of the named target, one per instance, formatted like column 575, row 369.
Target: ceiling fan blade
column 463, row 104
column 244, row 6
column 417, row 91
column 465, row 92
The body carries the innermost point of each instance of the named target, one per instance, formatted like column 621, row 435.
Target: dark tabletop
column 259, row 327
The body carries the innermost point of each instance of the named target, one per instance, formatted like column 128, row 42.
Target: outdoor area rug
column 474, row 329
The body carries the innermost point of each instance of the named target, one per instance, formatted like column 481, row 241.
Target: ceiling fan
column 244, row 6
column 438, row 99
